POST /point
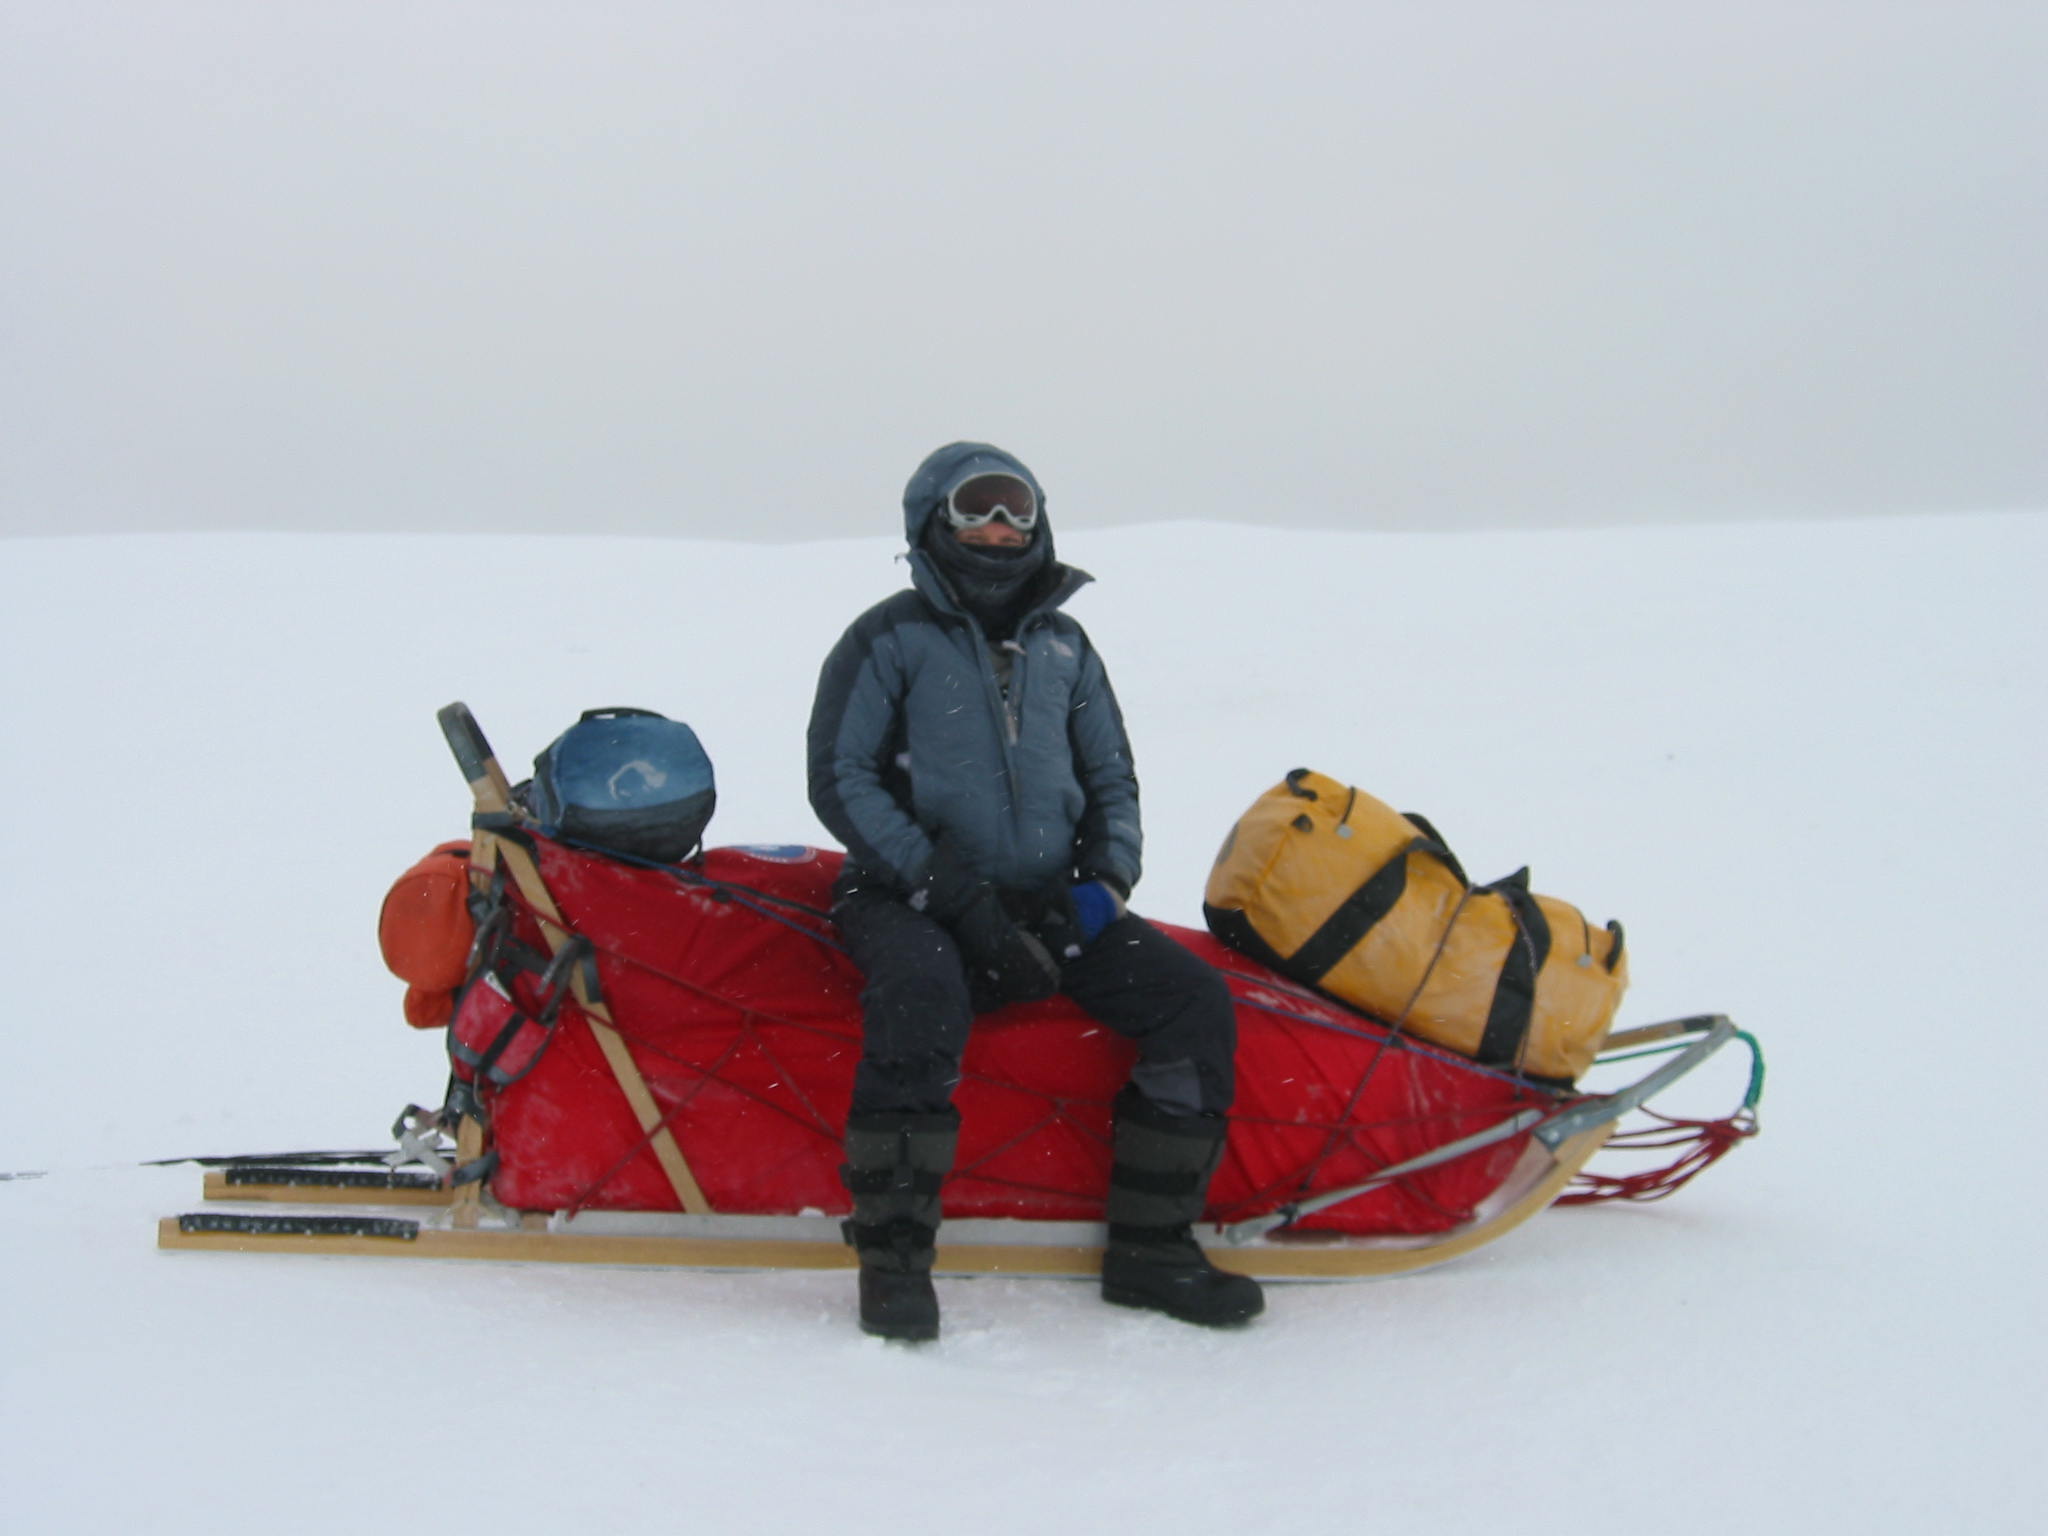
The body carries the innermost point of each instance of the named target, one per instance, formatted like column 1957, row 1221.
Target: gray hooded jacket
column 911, row 737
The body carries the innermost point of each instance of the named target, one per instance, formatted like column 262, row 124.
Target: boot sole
column 908, row 1331
column 1144, row 1301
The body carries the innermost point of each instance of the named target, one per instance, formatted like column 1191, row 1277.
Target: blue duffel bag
column 625, row 781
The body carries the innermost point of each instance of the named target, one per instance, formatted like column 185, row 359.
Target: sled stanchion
column 493, row 794
column 467, row 1200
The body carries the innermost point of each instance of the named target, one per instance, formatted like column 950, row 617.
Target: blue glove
column 1096, row 906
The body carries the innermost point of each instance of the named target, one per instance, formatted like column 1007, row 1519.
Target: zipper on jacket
column 1013, row 694
column 1008, row 732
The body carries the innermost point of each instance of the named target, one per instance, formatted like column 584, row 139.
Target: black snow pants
column 1133, row 978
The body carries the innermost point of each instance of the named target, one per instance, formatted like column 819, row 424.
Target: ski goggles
column 979, row 499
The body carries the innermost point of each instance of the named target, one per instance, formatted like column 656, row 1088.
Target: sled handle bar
column 473, row 755
column 1715, row 1030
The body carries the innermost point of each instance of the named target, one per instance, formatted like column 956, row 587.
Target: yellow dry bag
column 1336, row 889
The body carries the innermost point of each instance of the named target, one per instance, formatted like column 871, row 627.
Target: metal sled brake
column 690, row 1097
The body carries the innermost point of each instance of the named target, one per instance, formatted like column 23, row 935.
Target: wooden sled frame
column 970, row 1247
column 369, row 1213
column 334, row 1216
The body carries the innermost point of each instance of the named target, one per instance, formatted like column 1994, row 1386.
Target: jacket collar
column 924, row 575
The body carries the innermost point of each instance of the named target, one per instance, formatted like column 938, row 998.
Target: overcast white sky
column 733, row 269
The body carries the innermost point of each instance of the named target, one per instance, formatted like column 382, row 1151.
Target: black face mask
column 997, row 586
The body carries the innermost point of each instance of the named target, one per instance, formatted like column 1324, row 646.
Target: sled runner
column 653, row 1063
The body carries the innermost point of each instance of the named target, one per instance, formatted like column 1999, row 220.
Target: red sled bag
column 492, row 1037
column 510, row 1010
column 726, row 983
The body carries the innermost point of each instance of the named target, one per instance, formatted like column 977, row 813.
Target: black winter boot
column 894, row 1167
column 1156, row 1192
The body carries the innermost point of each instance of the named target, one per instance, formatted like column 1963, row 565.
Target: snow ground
column 1802, row 762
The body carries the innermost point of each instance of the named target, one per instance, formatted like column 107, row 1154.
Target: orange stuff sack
column 425, row 931
column 1336, row 889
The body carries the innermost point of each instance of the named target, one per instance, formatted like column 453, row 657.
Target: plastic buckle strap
column 491, row 914
column 576, row 958
column 493, row 930
column 497, row 950
column 593, row 993
column 474, row 1171
column 463, row 1104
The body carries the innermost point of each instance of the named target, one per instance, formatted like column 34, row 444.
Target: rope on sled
column 1702, row 1143
column 1705, row 1143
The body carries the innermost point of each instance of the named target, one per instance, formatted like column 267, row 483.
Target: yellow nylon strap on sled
column 494, row 797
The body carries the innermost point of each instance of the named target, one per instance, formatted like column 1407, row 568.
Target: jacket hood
column 945, row 468
column 926, row 493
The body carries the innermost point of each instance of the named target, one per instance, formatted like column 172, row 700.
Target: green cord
column 1648, row 1050
column 1750, row 1099
column 1756, row 1069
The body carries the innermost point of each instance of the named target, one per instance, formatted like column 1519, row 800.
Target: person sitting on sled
column 966, row 748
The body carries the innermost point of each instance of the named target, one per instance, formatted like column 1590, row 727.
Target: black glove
column 1005, row 964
